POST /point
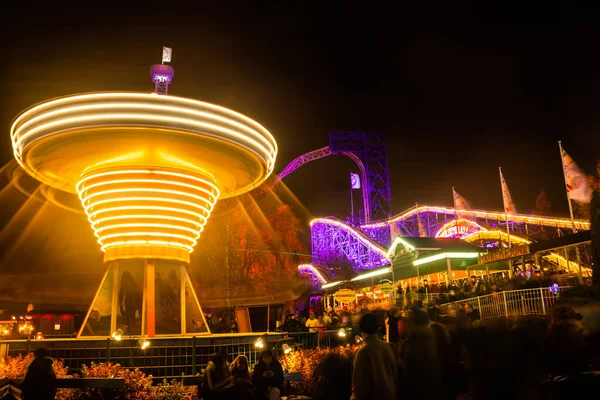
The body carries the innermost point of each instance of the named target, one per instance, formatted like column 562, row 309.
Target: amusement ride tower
column 148, row 169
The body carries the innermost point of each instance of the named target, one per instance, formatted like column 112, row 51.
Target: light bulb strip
column 147, row 242
column 141, row 96
column 79, row 187
column 155, row 199
column 141, row 207
column 99, row 221
column 175, row 110
column 118, row 119
column 141, row 189
column 117, row 224
column 147, row 225
column 154, row 181
column 142, row 233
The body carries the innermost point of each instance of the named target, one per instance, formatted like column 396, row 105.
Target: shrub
column 138, row 386
column 16, row 368
column 310, row 364
column 174, row 390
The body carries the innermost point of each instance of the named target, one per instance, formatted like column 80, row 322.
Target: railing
column 174, row 357
column 538, row 301
column 165, row 358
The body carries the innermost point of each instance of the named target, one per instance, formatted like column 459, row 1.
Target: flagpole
column 577, row 255
column 455, row 210
column 562, row 160
column 351, row 198
column 504, row 203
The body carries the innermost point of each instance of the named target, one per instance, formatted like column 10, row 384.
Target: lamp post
column 118, row 336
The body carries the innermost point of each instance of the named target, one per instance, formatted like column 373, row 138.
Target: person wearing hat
column 375, row 374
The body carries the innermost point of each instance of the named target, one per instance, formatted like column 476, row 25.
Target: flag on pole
column 460, row 203
column 167, row 53
column 354, row 181
column 509, row 205
column 578, row 187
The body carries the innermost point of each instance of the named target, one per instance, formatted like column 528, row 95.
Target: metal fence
column 165, row 357
column 174, row 357
column 513, row 302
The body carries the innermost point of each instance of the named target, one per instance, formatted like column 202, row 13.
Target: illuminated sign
column 459, row 229
column 345, row 296
column 504, row 255
column 387, row 288
column 161, row 78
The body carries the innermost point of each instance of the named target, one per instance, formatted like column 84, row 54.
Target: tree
column 595, row 233
column 580, row 210
column 249, row 253
column 542, row 204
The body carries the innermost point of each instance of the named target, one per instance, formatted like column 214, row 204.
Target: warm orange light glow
column 61, row 140
column 145, row 227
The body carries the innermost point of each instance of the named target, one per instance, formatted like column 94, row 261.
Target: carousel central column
column 150, row 298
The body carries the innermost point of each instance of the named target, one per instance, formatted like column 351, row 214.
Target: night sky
column 457, row 90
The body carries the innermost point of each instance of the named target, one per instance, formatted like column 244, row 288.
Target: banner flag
column 509, row 205
column 578, row 187
column 167, row 53
column 460, row 203
column 354, row 181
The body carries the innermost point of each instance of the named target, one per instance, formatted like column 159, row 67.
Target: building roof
column 568, row 240
column 446, row 244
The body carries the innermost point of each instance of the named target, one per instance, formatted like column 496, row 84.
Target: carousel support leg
column 150, row 300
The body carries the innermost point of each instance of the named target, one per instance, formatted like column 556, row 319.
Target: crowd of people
column 429, row 354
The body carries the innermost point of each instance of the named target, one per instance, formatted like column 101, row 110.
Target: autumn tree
column 542, row 204
column 595, row 227
column 595, row 234
column 249, row 252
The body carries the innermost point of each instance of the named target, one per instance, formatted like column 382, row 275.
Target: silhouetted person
column 130, row 301
column 419, row 359
column 40, row 380
column 375, row 371
column 267, row 377
column 454, row 379
column 217, row 378
column 565, row 344
column 335, row 381
column 392, row 323
column 221, row 326
column 242, row 385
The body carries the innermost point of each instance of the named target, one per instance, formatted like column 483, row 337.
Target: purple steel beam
column 301, row 160
column 369, row 148
column 368, row 151
column 334, row 242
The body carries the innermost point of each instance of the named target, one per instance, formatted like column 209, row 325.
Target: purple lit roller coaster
column 367, row 245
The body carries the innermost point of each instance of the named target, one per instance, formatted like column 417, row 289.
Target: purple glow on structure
column 162, row 76
column 316, row 277
column 367, row 150
column 334, row 242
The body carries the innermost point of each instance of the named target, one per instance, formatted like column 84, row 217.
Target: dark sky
column 458, row 89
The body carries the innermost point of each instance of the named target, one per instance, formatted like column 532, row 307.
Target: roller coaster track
column 334, row 241
column 482, row 214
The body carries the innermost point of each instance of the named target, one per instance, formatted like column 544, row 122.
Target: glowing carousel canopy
column 147, row 168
